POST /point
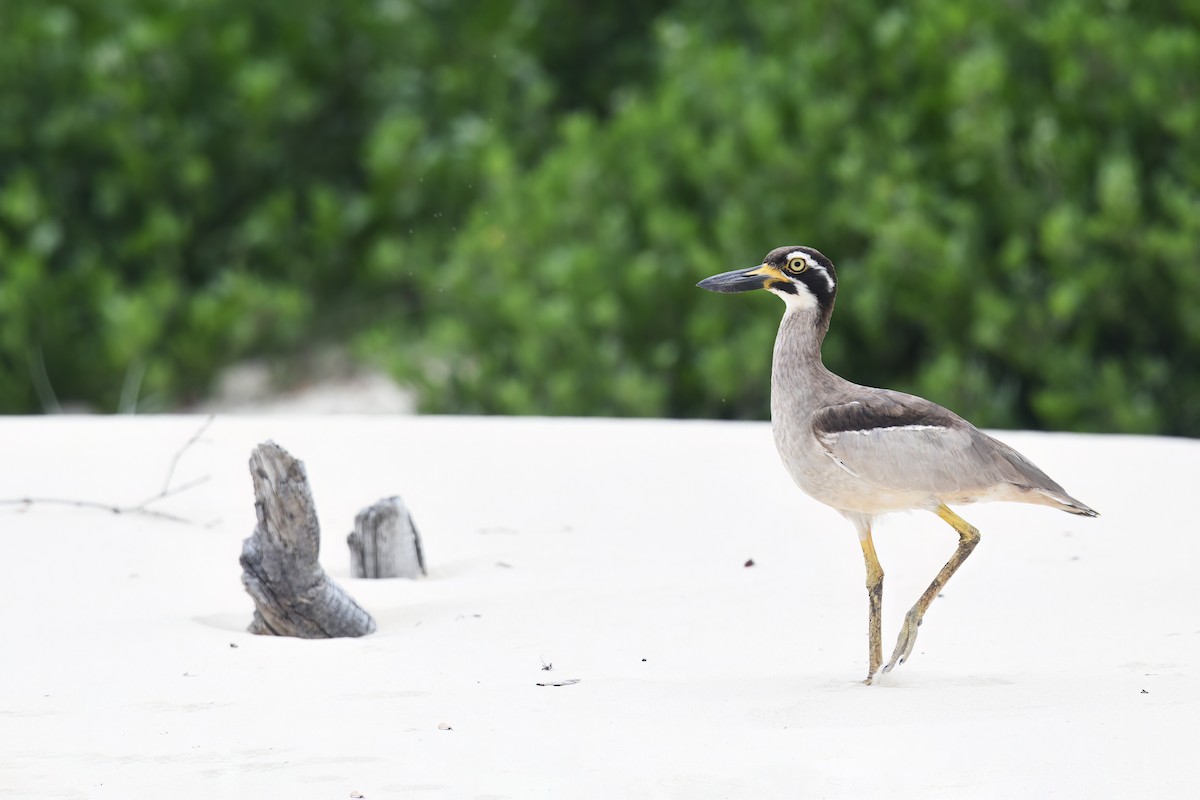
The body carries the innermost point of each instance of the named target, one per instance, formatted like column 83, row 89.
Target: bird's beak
column 742, row 280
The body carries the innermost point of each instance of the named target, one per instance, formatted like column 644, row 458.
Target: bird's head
column 801, row 275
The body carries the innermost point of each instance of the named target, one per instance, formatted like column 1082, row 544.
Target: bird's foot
column 905, row 641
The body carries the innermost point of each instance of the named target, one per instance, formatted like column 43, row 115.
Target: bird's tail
column 1042, row 486
column 1064, row 502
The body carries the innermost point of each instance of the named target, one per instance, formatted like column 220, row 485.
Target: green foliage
column 185, row 183
column 509, row 201
column 1011, row 193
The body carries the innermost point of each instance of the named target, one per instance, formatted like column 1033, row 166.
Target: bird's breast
column 821, row 476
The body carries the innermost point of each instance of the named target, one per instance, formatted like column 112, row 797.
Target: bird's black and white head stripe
column 810, row 279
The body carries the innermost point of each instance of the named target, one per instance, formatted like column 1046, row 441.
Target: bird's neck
column 798, row 342
column 798, row 376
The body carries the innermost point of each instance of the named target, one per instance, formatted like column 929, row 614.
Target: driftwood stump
column 385, row 542
column 292, row 594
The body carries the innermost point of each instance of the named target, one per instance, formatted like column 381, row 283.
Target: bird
column 867, row 452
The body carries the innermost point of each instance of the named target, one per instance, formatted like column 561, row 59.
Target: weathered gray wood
column 385, row 542
column 292, row 594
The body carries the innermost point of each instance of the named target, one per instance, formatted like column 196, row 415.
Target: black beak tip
column 737, row 280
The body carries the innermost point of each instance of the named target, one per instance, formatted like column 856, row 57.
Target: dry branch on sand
column 136, row 509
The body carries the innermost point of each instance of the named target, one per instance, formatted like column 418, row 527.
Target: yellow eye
column 797, row 265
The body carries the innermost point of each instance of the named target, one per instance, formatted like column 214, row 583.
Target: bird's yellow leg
column 968, row 537
column 875, row 598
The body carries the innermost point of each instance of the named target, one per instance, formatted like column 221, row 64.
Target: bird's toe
column 904, row 642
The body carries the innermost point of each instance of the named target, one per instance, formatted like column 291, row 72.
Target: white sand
column 1062, row 660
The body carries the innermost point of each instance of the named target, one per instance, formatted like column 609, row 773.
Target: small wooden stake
column 385, row 542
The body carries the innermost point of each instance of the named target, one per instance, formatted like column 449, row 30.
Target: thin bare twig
column 169, row 492
column 140, row 509
column 179, row 453
column 26, row 502
column 41, row 380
